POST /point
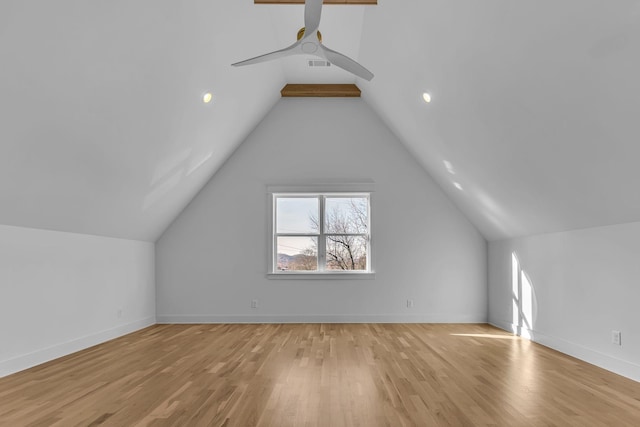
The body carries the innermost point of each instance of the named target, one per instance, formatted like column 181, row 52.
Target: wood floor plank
column 318, row 375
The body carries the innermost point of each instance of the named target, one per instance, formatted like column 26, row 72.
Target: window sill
column 321, row 276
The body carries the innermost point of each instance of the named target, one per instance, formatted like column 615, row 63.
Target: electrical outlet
column 254, row 303
column 409, row 303
column 616, row 338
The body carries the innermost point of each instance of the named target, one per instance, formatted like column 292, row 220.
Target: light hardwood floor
column 318, row 374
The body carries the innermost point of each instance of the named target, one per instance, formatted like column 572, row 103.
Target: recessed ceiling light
column 426, row 97
column 207, row 97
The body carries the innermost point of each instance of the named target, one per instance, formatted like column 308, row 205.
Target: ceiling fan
column 310, row 43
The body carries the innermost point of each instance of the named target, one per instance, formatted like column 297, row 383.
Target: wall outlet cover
column 616, row 337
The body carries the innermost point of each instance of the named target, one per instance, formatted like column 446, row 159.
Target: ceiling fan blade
column 346, row 63
column 312, row 14
column 269, row 56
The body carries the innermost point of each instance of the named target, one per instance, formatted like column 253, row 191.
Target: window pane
column 346, row 215
column 297, row 253
column 346, row 253
column 297, row 215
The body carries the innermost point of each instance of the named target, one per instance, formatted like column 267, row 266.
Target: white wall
column 61, row 292
column 584, row 283
column 211, row 262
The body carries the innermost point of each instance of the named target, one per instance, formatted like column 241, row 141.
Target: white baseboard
column 324, row 318
column 621, row 367
column 38, row 357
column 505, row 326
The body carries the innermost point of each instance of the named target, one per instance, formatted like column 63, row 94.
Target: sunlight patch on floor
column 499, row 337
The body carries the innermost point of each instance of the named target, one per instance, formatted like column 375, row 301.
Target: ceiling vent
column 318, row 63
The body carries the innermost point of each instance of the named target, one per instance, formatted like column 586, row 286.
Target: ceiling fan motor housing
column 301, row 34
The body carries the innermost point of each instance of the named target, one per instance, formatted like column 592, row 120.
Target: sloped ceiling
column 535, row 105
column 103, row 126
column 534, row 110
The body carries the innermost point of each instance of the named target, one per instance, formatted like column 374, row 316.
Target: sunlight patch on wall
column 522, row 300
column 200, row 163
column 526, row 302
column 168, row 165
column 161, row 190
column 515, row 287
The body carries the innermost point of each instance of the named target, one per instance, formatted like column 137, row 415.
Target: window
column 321, row 233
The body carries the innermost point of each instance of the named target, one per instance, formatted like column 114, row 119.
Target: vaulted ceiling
column 533, row 114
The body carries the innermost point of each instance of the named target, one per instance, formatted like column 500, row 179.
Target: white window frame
column 322, row 192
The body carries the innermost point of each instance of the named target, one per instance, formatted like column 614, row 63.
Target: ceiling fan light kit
column 309, row 42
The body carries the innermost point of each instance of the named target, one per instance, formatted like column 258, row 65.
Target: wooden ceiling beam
column 357, row 2
column 321, row 91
